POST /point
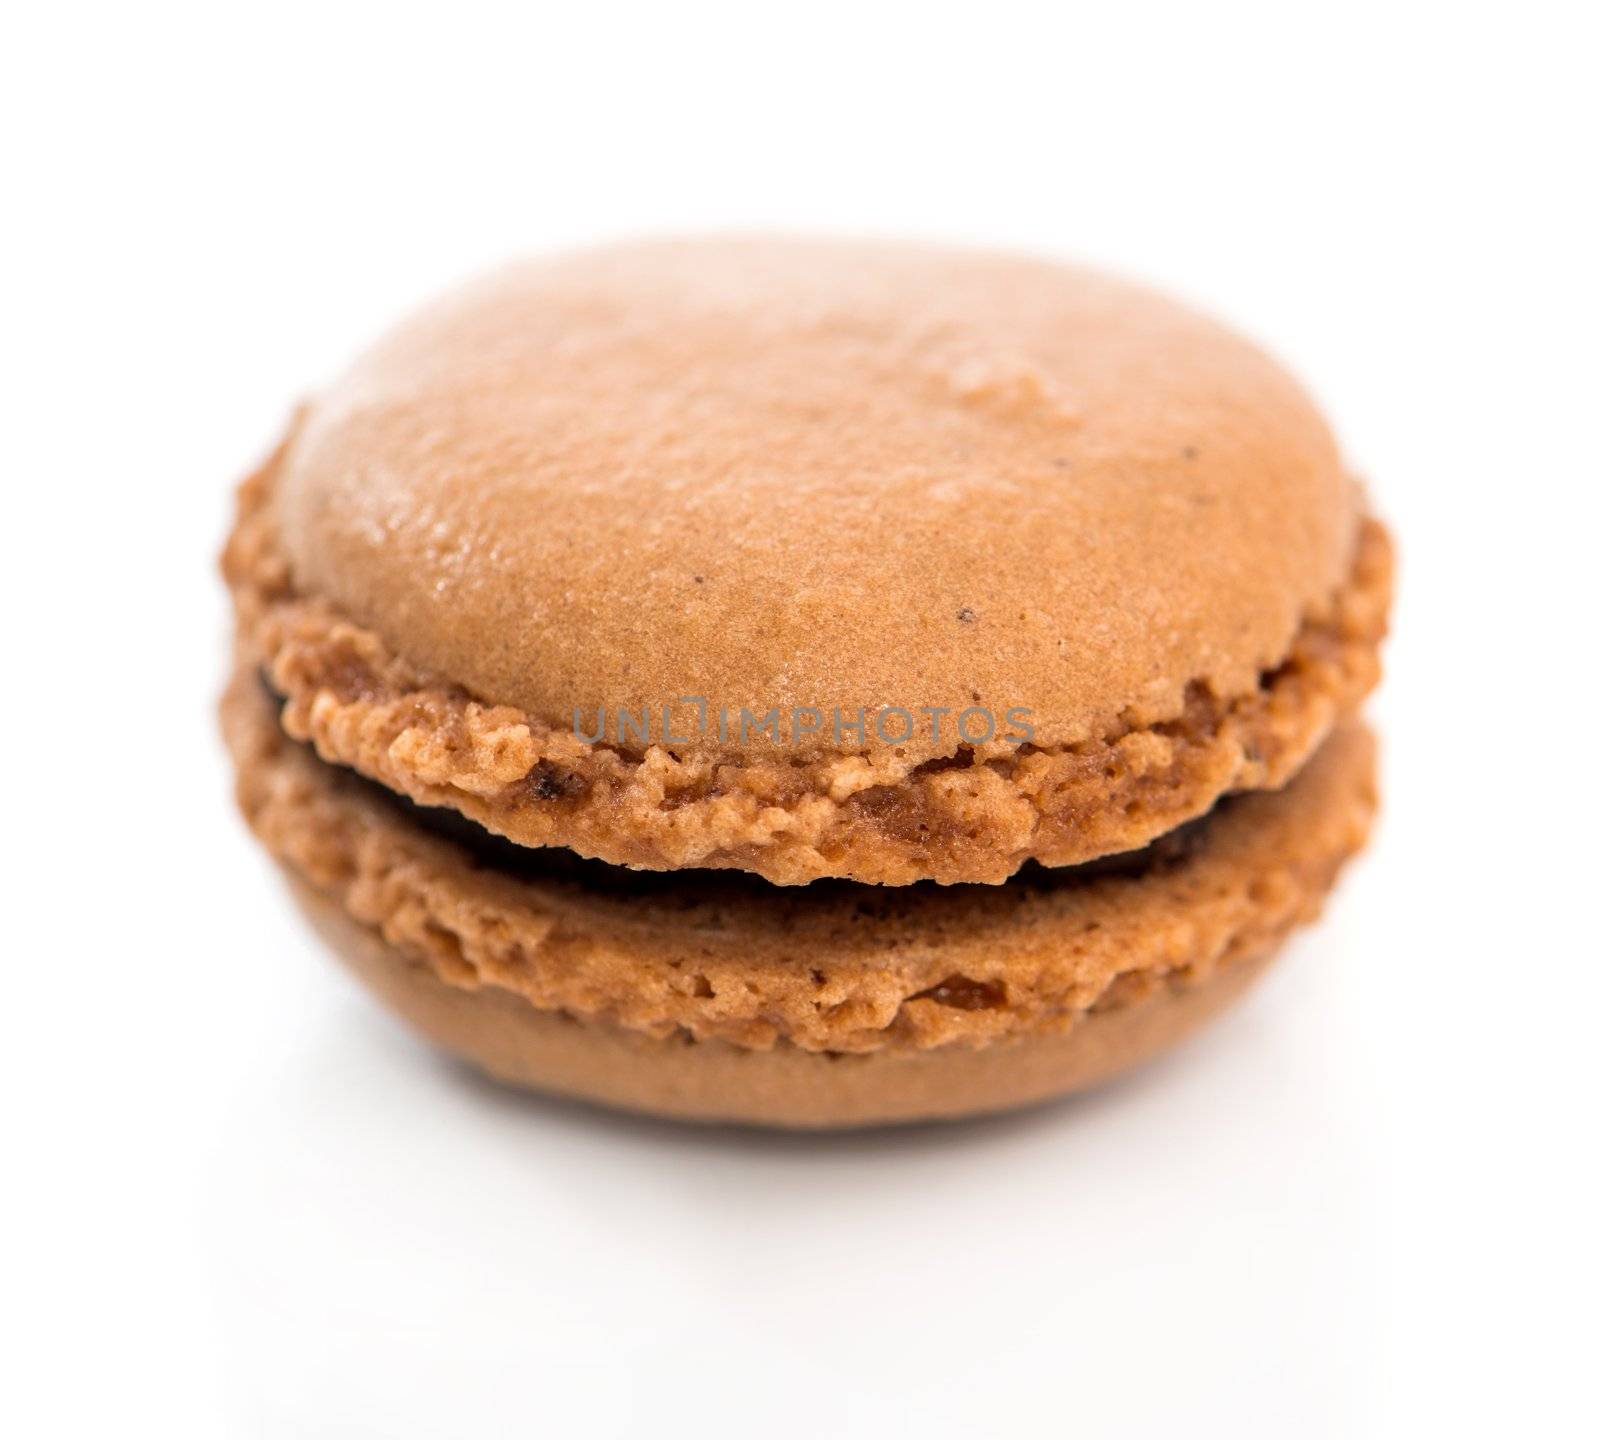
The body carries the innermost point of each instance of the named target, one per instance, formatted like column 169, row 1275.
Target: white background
column 241, row 1202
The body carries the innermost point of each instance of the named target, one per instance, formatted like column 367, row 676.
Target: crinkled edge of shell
column 1115, row 941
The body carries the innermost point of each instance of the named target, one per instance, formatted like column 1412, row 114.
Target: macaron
column 806, row 682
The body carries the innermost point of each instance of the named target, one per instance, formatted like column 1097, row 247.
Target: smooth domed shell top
column 783, row 473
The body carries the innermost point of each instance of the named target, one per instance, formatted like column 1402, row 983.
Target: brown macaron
column 978, row 591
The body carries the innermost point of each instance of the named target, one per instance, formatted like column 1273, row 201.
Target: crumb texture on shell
column 837, row 968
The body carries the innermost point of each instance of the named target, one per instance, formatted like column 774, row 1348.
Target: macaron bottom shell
column 500, row 1034
column 829, row 1006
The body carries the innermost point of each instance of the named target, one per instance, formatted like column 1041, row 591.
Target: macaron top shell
column 795, row 473
column 812, row 559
